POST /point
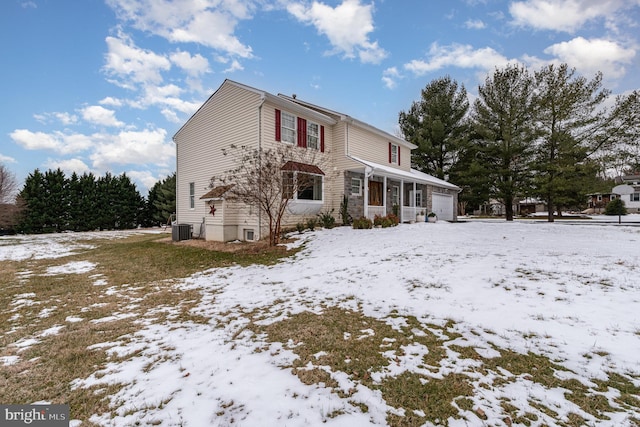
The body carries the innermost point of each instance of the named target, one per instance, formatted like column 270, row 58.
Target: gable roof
column 216, row 192
column 346, row 118
column 265, row 96
column 412, row 175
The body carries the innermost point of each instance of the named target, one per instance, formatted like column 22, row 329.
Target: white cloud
column 235, row 66
column 145, row 178
column 131, row 65
column 110, row 101
column 6, row 159
column 210, row 23
column 133, row 147
column 68, row 166
column 347, row 26
column 390, row 76
column 475, row 24
column 101, row 116
column 195, row 65
column 457, row 55
column 591, row 56
column 59, row 142
column 563, row 15
column 64, row 118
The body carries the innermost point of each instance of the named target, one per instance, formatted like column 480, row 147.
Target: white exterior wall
column 304, row 155
column 230, row 116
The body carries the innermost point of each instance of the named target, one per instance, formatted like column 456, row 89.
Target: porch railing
column 409, row 213
column 376, row 210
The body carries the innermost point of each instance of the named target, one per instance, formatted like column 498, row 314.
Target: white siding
column 228, row 117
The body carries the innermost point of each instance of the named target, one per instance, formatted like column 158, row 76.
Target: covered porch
column 384, row 190
column 387, row 190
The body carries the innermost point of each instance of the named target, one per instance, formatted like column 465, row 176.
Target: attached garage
column 442, row 206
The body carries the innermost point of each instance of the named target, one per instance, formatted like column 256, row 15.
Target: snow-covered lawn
column 569, row 293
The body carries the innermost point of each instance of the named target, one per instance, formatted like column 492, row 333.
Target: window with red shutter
column 302, row 132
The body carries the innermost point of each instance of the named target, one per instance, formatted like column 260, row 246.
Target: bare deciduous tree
column 269, row 179
column 8, row 185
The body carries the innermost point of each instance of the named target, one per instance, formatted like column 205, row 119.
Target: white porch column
column 384, row 193
column 368, row 172
column 413, row 202
column 401, row 200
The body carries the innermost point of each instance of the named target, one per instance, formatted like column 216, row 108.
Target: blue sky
column 103, row 85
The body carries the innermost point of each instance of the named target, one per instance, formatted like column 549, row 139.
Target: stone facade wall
column 356, row 203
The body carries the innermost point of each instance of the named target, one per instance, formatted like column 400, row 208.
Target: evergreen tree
column 572, row 126
column 128, row 205
column 615, row 207
column 164, row 204
column 504, row 132
column 33, row 196
column 56, row 201
column 436, row 124
column 87, row 203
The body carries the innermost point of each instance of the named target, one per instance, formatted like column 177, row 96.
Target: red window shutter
column 389, row 152
column 398, row 155
column 322, row 139
column 278, row 126
column 302, row 132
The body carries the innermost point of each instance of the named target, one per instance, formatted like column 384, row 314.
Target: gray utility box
column 181, row 232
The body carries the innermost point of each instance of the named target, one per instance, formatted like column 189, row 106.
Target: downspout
column 262, row 99
column 177, row 175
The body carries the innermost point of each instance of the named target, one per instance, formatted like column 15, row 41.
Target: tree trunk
column 508, row 208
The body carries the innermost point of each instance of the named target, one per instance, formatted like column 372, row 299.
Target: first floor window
column 192, row 195
column 395, row 195
column 635, row 197
column 415, row 198
column 356, row 186
column 301, row 186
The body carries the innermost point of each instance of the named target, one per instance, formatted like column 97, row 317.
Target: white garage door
column 442, row 205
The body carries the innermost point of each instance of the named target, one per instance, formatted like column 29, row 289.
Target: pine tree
column 436, row 124
column 572, row 126
column 161, row 201
column 504, row 133
column 33, row 195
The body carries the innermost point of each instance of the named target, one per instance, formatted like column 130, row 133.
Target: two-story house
column 369, row 166
column 632, row 201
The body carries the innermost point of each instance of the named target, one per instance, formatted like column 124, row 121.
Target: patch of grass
column 139, row 274
column 364, row 348
column 433, row 396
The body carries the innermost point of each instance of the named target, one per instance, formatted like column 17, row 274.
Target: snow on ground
column 45, row 246
column 560, row 290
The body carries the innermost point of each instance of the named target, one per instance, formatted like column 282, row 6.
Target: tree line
column 52, row 202
column 549, row 134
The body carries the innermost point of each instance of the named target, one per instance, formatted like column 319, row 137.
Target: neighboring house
column 632, row 201
column 530, row 206
column 597, row 202
column 371, row 167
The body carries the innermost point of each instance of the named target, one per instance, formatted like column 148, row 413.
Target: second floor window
column 288, row 128
column 394, row 154
column 313, row 135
